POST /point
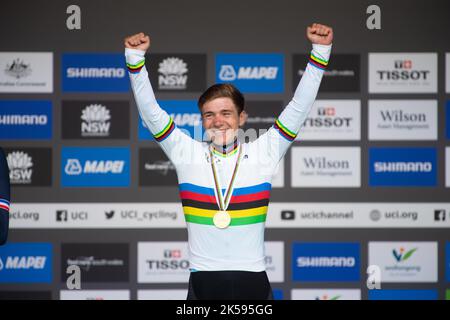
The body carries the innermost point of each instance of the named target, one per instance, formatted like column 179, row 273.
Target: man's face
column 221, row 120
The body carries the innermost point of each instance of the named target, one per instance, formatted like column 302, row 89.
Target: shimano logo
column 23, row 119
column 95, row 72
column 326, row 262
column 403, row 167
column 74, row 167
column 228, row 73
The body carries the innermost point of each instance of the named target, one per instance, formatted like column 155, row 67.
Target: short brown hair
column 223, row 90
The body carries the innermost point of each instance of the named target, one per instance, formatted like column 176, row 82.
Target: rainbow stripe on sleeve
column 317, row 62
column 248, row 205
column 164, row 133
column 135, row 68
column 283, row 131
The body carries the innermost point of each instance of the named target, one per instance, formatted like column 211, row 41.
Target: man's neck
column 225, row 150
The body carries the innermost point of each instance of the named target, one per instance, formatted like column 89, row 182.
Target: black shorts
column 229, row 285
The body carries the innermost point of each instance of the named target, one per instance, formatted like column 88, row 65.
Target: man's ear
column 242, row 118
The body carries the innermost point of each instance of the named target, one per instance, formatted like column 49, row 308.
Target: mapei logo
column 251, row 72
column 228, row 73
column 73, row 167
column 26, row 262
column 403, row 255
column 95, row 167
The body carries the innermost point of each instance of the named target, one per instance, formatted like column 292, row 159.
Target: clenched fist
column 138, row 41
column 319, row 34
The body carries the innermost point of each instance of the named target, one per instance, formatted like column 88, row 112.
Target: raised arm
column 279, row 137
column 160, row 124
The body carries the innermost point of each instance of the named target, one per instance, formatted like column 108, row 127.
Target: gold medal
column 222, row 219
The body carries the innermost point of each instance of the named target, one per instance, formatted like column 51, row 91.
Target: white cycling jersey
column 240, row 246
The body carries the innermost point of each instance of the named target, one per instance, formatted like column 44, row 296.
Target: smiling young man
column 225, row 184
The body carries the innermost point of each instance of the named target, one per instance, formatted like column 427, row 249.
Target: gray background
column 228, row 26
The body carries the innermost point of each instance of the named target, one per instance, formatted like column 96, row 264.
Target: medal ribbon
column 224, row 204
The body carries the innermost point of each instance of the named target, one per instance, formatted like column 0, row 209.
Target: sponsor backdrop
column 366, row 183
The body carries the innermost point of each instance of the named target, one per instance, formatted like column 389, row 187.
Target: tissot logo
column 161, row 262
column 177, row 72
column 402, row 72
column 332, row 120
column 405, row 72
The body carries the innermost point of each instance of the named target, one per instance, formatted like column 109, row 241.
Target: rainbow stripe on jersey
column 248, row 205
